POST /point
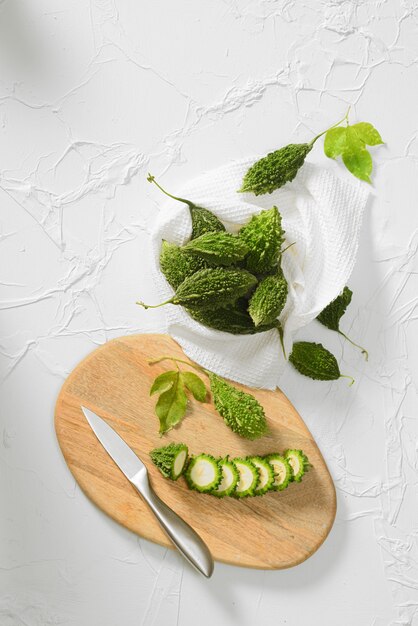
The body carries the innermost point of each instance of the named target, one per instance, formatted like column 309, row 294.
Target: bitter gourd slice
column 265, row 473
column 203, row 473
column 203, row 220
column 298, row 462
column 218, row 248
column 170, row 460
column 176, row 264
column 229, row 479
column 282, row 471
column 248, row 478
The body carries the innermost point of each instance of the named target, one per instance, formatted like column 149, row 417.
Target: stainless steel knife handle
column 186, row 540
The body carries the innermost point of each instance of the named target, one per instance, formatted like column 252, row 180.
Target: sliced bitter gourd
column 265, row 474
column 282, row 471
column 298, row 462
column 203, row 473
column 229, row 479
column 248, row 478
column 170, row 460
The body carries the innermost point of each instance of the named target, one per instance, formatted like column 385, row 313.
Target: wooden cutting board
column 274, row 531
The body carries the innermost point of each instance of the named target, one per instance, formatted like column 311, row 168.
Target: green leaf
column 163, row 382
column 359, row 163
column 367, row 133
column 195, row 385
column 335, row 140
column 171, row 405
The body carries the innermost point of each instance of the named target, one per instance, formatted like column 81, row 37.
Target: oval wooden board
column 274, row 531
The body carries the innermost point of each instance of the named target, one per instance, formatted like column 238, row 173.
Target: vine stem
column 349, row 377
column 311, row 143
column 154, row 306
column 363, row 350
column 151, row 179
column 199, row 368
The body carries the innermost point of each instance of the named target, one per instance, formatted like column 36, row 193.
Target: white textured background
column 92, row 95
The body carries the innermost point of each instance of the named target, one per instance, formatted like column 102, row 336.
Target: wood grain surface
column 275, row 531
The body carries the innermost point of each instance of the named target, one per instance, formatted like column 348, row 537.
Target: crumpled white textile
column 321, row 213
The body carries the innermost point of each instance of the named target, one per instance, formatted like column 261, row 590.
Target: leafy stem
column 345, row 118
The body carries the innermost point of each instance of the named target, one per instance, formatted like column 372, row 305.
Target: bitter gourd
column 241, row 411
column 264, row 236
column 209, row 288
column 203, row 473
column 203, row 220
column 315, row 361
column 233, row 319
column 276, row 169
column 265, row 474
column 176, row 264
column 298, row 462
column 170, row 460
column 218, row 248
column 331, row 315
column 268, row 299
column 281, row 470
column 229, row 479
column 248, row 478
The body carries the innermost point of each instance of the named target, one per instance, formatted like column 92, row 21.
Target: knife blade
column 183, row 536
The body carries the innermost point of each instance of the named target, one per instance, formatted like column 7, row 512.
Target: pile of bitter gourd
column 234, row 283
column 239, row 477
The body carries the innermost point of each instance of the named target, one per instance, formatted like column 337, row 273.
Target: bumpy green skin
column 304, row 464
column 276, row 169
column 241, row 411
column 232, row 319
column 252, row 488
column 331, row 315
column 257, row 461
column 211, row 288
column 217, row 473
column 218, row 248
column 176, row 264
column 288, row 477
column 221, row 493
column 264, row 236
column 203, row 221
column 268, row 299
column 164, row 458
column 315, row 361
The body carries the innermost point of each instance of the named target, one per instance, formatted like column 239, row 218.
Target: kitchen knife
column 186, row 540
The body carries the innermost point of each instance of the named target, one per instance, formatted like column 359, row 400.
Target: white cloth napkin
column 321, row 213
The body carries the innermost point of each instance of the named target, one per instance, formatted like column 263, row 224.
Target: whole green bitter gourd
column 268, row 299
column 277, row 168
column 203, row 220
column 218, row 248
column 241, row 411
column 210, row 288
column 264, row 236
column 177, row 264
column 331, row 315
column 233, row 319
column 315, row 361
